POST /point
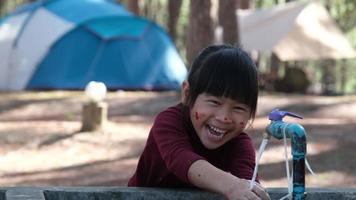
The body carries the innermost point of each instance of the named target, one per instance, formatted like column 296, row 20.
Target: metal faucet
column 297, row 135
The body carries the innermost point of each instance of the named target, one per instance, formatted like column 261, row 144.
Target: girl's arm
column 204, row 175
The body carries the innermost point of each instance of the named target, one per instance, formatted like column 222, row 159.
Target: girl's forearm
column 206, row 176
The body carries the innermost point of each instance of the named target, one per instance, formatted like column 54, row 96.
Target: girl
column 200, row 142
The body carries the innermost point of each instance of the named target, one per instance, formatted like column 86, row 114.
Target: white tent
column 294, row 31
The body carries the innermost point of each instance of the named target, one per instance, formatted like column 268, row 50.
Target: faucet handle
column 278, row 115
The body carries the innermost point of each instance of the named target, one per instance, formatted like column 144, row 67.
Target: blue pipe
column 297, row 135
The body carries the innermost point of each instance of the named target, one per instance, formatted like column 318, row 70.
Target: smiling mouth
column 216, row 133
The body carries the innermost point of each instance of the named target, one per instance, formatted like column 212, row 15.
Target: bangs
column 224, row 79
column 233, row 86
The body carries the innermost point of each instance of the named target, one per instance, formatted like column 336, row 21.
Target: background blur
column 304, row 50
column 194, row 25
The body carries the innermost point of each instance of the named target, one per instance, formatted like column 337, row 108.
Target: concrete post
column 94, row 116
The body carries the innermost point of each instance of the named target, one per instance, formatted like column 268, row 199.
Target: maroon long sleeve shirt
column 173, row 145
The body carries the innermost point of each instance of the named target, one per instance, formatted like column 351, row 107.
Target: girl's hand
column 240, row 190
column 260, row 191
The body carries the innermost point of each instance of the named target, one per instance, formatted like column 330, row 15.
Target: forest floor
column 41, row 143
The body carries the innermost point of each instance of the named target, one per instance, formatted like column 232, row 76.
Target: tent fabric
column 76, row 11
column 262, row 29
column 294, row 31
column 118, row 51
column 64, row 44
column 118, row 27
column 27, row 57
column 8, row 34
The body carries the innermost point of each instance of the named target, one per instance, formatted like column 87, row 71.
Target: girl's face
column 217, row 120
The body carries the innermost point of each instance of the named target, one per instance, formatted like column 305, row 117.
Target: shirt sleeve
column 174, row 144
column 242, row 156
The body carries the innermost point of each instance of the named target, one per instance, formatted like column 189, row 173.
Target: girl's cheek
column 242, row 125
column 198, row 115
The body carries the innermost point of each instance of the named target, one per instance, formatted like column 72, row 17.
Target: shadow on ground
column 33, row 132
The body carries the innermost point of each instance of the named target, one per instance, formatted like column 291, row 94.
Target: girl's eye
column 240, row 109
column 214, row 102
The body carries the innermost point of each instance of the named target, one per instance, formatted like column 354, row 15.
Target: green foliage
column 265, row 3
column 10, row 5
column 351, row 35
column 182, row 27
column 294, row 80
column 155, row 10
column 344, row 13
column 350, row 86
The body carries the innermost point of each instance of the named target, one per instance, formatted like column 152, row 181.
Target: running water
column 259, row 155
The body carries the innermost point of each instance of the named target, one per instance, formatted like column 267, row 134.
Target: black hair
column 224, row 71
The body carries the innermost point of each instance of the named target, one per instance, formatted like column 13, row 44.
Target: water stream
column 259, row 155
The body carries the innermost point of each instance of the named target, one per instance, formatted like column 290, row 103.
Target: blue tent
column 89, row 40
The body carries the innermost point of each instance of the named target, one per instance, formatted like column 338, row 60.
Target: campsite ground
column 40, row 142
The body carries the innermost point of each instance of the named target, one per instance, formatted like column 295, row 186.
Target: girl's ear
column 184, row 92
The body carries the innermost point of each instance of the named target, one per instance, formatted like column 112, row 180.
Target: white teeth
column 217, row 130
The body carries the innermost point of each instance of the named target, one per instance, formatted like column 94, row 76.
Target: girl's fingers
column 259, row 186
column 252, row 196
column 261, row 192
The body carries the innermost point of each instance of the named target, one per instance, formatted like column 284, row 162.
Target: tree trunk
column 173, row 12
column 275, row 63
column 244, row 4
column 343, row 74
column 328, row 77
column 133, row 6
column 2, row 4
column 328, row 71
column 228, row 21
column 200, row 29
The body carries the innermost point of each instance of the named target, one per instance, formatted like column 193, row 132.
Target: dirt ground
column 41, row 143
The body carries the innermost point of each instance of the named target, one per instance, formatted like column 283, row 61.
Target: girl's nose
column 223, row 116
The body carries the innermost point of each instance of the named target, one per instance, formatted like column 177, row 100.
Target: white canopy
column 294, row 31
